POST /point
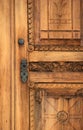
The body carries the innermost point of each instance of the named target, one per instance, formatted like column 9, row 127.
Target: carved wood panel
column 61, row 20
column 61, row 113
column 54, row 22
column 56, row 78
column 56, row 66
column 56, row 110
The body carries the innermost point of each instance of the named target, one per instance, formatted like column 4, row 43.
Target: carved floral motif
column 60, row 7
column 56, row 66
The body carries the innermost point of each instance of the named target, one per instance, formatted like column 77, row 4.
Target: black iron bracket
column 23, row 70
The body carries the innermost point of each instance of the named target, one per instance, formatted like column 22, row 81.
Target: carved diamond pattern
column 62, row 114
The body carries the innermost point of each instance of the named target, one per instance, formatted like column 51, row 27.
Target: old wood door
column 55, row 56
column 52, row 97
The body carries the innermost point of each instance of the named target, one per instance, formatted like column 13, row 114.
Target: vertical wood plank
column 21, row 90
column 5, row 65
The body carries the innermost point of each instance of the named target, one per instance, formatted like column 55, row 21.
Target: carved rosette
column 31, row 85
column 62, row 116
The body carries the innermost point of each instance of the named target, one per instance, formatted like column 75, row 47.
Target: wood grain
column 12, row 59
column 60, row 86
column 58, row 31
column 21, row 90
column 57, row 77
column 81, row 6
column 5, row 66
column 55, row 21
column 55, row 65
column 55, row 56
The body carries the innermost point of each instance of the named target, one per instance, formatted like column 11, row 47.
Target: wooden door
column 52, row 97
column 55, row 56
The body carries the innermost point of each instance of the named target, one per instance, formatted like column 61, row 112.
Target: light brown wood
column 5, row 66
column 55, row 56
column 57, row 20
column 64, row 86
column 52, row 31
column 57, row 39
column 13, row 94
column 53, row 106
column 56, row 77
column 12, row 59
column 21, row 90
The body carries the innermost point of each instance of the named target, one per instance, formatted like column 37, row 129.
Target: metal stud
column 21, row 41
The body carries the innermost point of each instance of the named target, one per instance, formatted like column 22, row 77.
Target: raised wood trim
column 66, row 48
column 58, row 77
column 46, row 47
column 55, row 56
column 66, row 86
column 32, row 110
column 12, row 59
column 30, row 26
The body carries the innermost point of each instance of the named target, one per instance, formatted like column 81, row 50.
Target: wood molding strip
column 30, row 26
column 81, row 10
column 69, row 48
column 46, row 56
column 58, row 77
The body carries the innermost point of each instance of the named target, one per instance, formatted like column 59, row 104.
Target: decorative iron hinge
column 24, row 70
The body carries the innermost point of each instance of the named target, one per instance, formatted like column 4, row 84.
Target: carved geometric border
column 32, row 106
column 30, row 26
column 56, row 66
column 58, row 86
column 58, row 48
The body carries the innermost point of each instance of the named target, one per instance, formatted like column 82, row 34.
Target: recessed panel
column 55, row 22
column 57, row 111
column 60, row 19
